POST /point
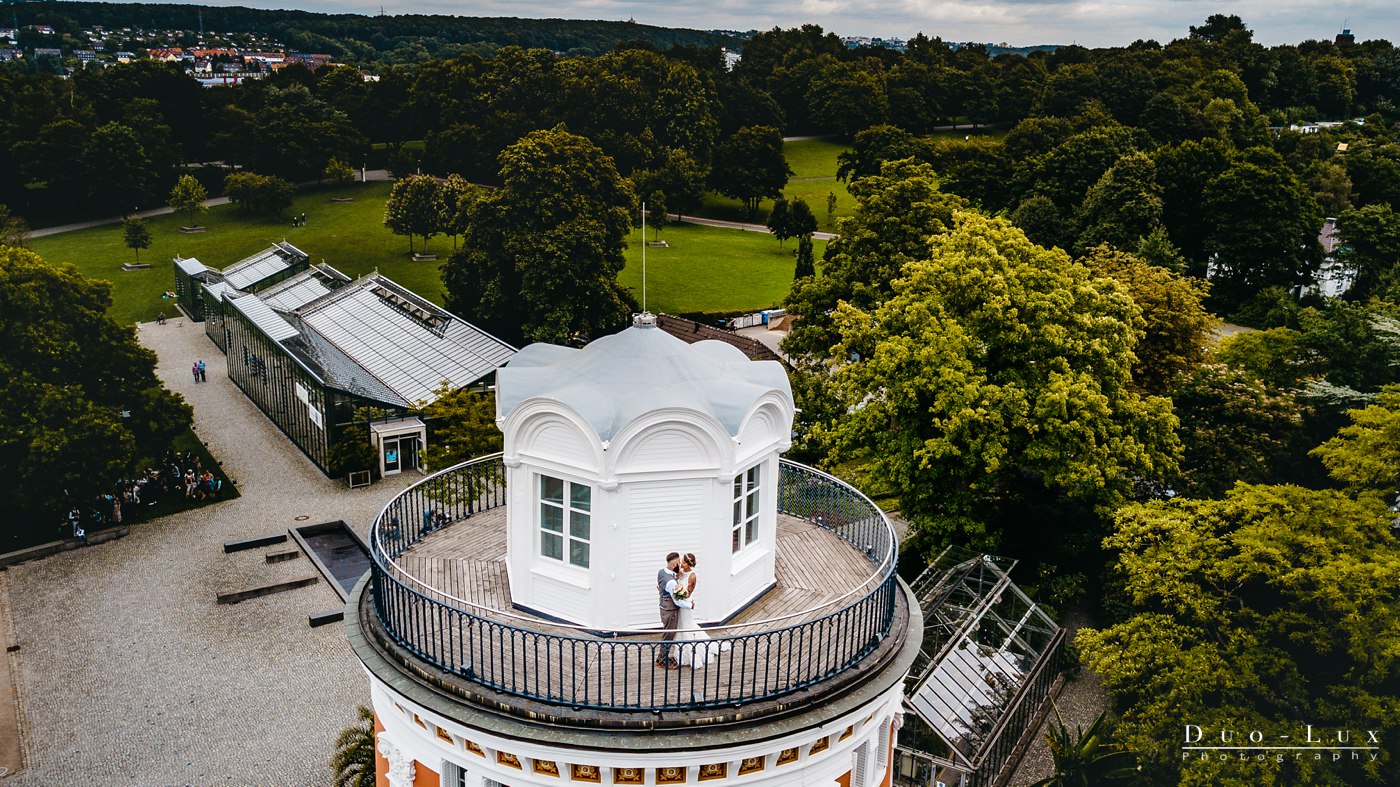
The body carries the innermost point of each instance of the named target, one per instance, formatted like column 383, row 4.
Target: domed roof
column 619, row 378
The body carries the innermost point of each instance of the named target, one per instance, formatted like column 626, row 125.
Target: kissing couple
column 676, row 586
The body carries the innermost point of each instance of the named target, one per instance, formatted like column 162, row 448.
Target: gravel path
column 1081, row 699
column 129, row 673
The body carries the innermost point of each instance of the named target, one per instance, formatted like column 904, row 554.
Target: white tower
column 634, row 446
column 509, row 621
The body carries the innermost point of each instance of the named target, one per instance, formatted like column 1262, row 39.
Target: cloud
column 1093, row 23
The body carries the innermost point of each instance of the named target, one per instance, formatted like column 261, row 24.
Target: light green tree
column 1269, row 609
column 981, row 380
column 338, row 172
column 187, row 196
column 464, row 426
column 1177, row 329
column 1365, row 454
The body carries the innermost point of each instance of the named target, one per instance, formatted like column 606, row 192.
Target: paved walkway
column 370, row 176
column 738, row 225
column 128, row 671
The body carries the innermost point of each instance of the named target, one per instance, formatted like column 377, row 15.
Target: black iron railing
column 569, row 665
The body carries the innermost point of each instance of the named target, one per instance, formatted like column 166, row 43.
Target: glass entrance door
column 408, row 452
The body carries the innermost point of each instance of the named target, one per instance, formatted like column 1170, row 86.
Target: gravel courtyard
column 129, row 674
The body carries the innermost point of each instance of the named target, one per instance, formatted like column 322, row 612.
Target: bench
column 342, row 199
column 188, row 230
column 136, row 266
column 424, row 257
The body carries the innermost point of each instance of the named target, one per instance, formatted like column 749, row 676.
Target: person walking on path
column 194, row 370
column 203, row 374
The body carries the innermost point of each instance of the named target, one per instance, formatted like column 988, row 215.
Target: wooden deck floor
column 466, row 560
column 814, row 566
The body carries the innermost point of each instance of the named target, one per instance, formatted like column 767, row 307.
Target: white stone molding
column 401, row 766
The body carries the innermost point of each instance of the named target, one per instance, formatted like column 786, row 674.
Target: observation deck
column 438, row 605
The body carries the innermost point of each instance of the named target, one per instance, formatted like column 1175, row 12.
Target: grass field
column 350, row 236
column 706, row 270
column 711, row 270
column 813, row 163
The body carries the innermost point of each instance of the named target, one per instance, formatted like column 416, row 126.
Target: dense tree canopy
column 541, row 254
column 1269, row 609
column 78, row 392
column 998, row 367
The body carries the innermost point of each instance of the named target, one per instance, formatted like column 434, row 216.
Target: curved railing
column 582, row 668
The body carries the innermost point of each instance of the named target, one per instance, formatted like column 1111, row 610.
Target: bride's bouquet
column 680, row 595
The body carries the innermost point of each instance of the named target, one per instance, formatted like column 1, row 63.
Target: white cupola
column 637, row 445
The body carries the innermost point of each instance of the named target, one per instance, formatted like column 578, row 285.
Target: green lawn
column 706, row 269
column 350, row 236
column 813, row 163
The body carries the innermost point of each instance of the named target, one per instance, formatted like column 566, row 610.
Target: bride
column 695, row 648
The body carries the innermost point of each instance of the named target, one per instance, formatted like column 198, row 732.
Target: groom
column 670, row 608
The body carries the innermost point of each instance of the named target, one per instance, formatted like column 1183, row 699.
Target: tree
column 136, row 235
column 779, row 222
column 1264, row 226
column 14, row 231
column 848, row 96
column 801, row 221
column 1124, row 207
column 416, row 207
column 656, row 213
column 1271, row 607
column 750, row 166
column 1370, row 250
column 338, row 172
column 806, row 260
column 1043, row 222
column 295, row 134
column 117, row 167
column 463, row 424
column 1234, row 428
column 187, row 197
column 897, row 212
column 1365, row 454
column 1177, row 329
column 978, row 384
column 458, row 196
column 873, row 146
column 265, row 195
column 353, row 761
column 541, row 254
column 1085, row 757
column 78, row 392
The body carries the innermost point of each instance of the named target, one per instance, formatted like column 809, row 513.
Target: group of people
column 199, row 372
column 299, row 221
column 694, row 648
column 177, row 474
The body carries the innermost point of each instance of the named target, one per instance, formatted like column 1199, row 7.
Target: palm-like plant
column 1085, row 757
column 353, row 761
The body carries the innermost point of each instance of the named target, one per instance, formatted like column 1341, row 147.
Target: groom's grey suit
column 670, row 613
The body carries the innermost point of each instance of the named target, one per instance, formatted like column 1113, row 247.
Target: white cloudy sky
column 1019, row 22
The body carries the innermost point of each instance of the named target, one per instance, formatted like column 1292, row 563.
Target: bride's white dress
column 695, row 649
